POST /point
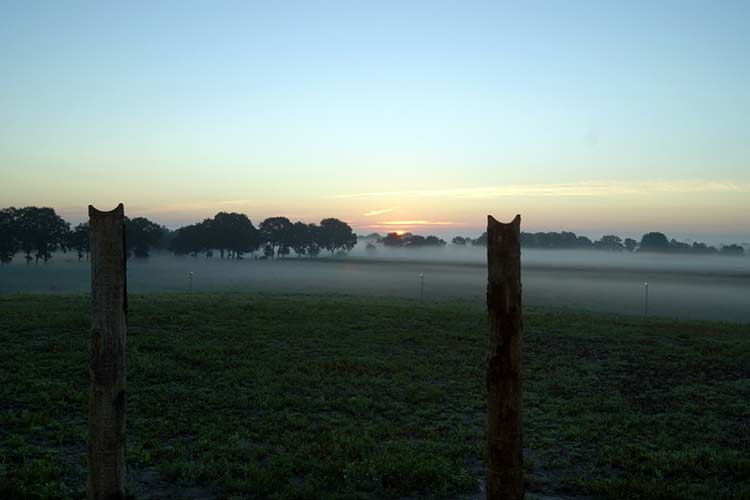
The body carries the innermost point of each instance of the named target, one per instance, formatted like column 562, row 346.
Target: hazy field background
column 695, row 287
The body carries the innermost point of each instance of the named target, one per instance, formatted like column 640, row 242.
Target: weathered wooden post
column 109, row 303
column 503, row 377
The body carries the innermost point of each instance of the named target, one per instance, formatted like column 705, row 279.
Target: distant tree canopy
column 609, row 242
column 409, row 240
column 481, row 241
column 141, row 235
column 650, row 242
column 10, row 243
column 191, row 239
column 234, row 235
column 732, row 250
column 39, row 232
column 78, row 240
column 336, row 235
column 654, row 242
column 33, row 230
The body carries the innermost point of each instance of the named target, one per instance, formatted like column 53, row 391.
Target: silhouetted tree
column 191, row 239
column 40, row 230
column 630, row 244
column 482, row 240
column 654, row 242
column 336, row 234
column 733, row 250
column 276, row 236
column 702, row 249
column 459, row 240
column 393, row 240
column 78, row 239
column 609, row 242
column 314, row 244
column 232, row 232
column 678, row 246
column 300, row 238
column 9, row 242
column 415, row 241
column 141, row 235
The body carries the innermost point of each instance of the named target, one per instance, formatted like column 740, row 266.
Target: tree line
column 233, row 235
column 39, row 232
column 407, row 240
column 650, row 242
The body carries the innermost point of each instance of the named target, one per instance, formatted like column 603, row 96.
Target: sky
column 596, row 117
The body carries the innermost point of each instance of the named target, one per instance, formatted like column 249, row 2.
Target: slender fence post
column 106, row 441
column 504, row 359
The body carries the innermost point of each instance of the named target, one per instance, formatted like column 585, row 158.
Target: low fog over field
column 698, row 287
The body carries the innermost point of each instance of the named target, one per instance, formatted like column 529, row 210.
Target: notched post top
column 503, row 247
column 119, row 211
column 494, row 223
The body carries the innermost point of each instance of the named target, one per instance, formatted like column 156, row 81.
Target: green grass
column 251, row 395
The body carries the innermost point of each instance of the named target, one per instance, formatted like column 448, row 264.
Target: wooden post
column 106, row 442
column 503, row 378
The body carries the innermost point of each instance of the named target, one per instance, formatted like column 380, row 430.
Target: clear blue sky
column 592, row 116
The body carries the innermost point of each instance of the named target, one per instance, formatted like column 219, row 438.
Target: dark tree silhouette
column 654, row 242
column 276, row 236
column 482, row 240
column 78, row 239
column 434, row 241
column 314, row 241
column 702, row 248
column 336, row 235
column 232, row 232
column 191, row 239
column 733, row 250
column 299, row 238
column 409, row 240
column 393, row 240
column 415, row 241
column 40, row 230
column 141, row 235
column 610, row 242
column 9, row 242
column 583, row 242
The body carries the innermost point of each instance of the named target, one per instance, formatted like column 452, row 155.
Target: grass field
column 322, row 396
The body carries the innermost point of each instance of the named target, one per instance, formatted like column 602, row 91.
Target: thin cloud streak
column 377, row 212
column 392, row 224
column 416, row 223
column 584, row 189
